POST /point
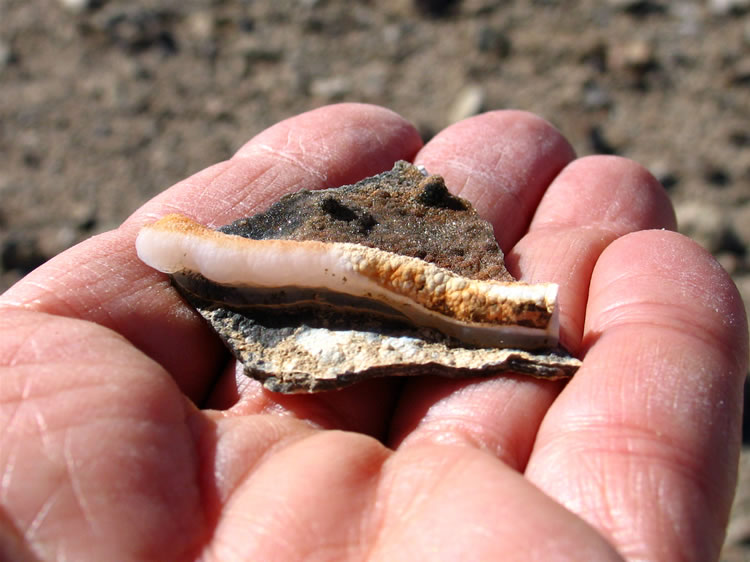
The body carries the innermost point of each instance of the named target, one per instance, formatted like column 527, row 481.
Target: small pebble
column 468, row 102
column 739, row 74
column 334, row 87
column 638, row 7
column 21, row 252
column 740, row 220
column 596, row 55
column 728, row 7
column 717, row 176
column 666, row 174
column 254, row 50
column 740, row 138
column 55, row 239
column 729, row 261
column 436, row 8
column 600, row 142
column 595, row 96
column 637, row 55
column 374, row 82
column 77, row 6
column 137, row 29
column 494, row 41
column 6, row 55
column 703, row 222
column 201, row 25
column 82, row 214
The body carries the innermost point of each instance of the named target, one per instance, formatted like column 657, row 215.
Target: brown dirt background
column 105, row 103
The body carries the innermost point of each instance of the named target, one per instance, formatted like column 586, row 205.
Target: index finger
column 102, row 280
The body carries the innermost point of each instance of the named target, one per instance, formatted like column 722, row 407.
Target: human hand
column 104, row 454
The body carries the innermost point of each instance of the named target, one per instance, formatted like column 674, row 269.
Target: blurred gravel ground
column 105, row 103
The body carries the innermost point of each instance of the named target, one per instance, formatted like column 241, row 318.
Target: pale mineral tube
column 481, row 313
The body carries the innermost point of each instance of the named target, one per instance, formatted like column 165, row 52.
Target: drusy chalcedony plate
column 390, row 276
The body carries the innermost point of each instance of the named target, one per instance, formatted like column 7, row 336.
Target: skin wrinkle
column 592, row 500
column 580, row 493
column 510, row 197
column 418, row 493
column 272, row 183
column 44, row 293
column 87, row 291
column 356, row 131
column 669, row 531
column 48, row 324
column 617, row 312
column 507, row 169
column 71, row 470
column 107, row 277
column 209, row 176
column 378, row 513
column 513, row 444
column 318, row 171
column 282, row 439
column 658, row 450
column 231, row 171
column 297, row 157
column 271, row 189
column 69, row 425
column 459, row 428
column 462, row 431
column 10, row 425
column 379, row 140
column 6, row 480
column 32, row 529
column 23, row 344
column 657, row 404
column 372, row 520
column 142, row 292
column 685, row 282
column 202, row 192
column 675, row 526
column 246, row 152
column 288, row 511
column 364, row 533
column 608, row 233
column 41, row 514
column 75, row 483
column 661, row 450
column 312, row 163
column 26, row 387
column 688, row 282
column 456, row 471
column 595, row 237
column 639, row 200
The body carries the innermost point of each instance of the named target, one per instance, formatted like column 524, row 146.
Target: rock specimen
column 389, row 276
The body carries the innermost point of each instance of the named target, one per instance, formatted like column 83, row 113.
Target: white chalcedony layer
column 484, row 313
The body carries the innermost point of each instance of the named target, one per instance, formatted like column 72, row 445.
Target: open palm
column 128, row 433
